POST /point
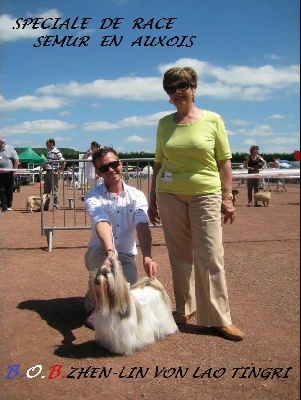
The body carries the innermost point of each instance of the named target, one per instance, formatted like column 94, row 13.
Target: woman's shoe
column 231, row 332
column 181, row 319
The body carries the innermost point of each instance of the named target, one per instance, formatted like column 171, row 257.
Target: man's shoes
column 181, row 319
column 250, row 204
column 230, row 332
column 9, row 209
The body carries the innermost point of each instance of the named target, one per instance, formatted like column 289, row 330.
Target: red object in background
column 297, row 155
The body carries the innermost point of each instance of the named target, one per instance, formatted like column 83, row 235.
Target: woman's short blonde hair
column 176, row 73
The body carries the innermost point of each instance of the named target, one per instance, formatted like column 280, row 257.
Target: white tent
column 148, row 170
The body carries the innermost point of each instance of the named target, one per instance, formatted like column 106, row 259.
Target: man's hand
column 150, row 267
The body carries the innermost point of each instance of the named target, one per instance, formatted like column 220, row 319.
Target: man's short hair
column 101, row 152
column 50, row 141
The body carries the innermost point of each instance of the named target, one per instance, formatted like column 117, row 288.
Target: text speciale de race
column 77, row 23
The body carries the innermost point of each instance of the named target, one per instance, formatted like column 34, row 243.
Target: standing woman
column 253, row 163
column 91, row 177
column 192, row 188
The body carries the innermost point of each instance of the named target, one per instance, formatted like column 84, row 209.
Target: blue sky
column 246, row 53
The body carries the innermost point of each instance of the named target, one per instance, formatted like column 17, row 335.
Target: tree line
column 71, row 154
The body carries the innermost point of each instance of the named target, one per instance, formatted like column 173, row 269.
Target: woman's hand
column 152, row 211
column 228, row 210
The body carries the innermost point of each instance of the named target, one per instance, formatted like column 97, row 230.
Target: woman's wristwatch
column 227, row 196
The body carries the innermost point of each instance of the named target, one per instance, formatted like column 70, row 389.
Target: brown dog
column 35, row 201
column 234, row 193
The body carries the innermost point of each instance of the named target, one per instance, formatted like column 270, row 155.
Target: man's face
column 112, row 168
column 2, row 144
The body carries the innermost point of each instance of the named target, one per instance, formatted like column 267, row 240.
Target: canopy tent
column 29, row 156
column 148, row 170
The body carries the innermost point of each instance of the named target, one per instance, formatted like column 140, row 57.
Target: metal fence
column 74, row 183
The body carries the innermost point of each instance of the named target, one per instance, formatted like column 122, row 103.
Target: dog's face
column 111, row 291
column 46, row 196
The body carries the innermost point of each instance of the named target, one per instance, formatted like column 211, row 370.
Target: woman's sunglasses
column 105, row 168
column 181, row 86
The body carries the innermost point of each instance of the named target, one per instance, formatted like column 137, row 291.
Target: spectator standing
column 253, row 162
column 8, row 160
column 53, row 169
column 281, row 182
column 276, row 162
column 90, row 176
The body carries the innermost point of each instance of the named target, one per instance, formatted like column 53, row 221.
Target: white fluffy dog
column 128, row 319
column 36, row 201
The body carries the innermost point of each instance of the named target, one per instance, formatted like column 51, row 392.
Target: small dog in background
column 17, row 187
column 264, row 196
column 128, row 319
column 281, row 187
column 36, row 201
column 234, row 193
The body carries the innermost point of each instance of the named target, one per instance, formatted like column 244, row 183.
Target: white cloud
column 99, row 126
column 150, row 120
column 239, row 122
column 272, row 56
column 37, row 127
column 241, row 82
column 33, row 103
column 285, row 140
column 230, row 133
column 276, row 116
column 143, row 120
column 137, row 139
column 233, row 82
column 127, row 88
column 10, row 30
column 249, row 142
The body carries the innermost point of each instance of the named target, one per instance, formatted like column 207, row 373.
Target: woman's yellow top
column 189, row 154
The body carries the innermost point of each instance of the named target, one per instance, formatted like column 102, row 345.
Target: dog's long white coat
column 150, row 320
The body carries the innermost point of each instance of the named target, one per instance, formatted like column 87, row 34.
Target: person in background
column 253, row 162
column 191, row 188
column 90, row 176
column 118, row 213
column 281, row 181
column 53, row 169
column 276, row 162
column 8, row 160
